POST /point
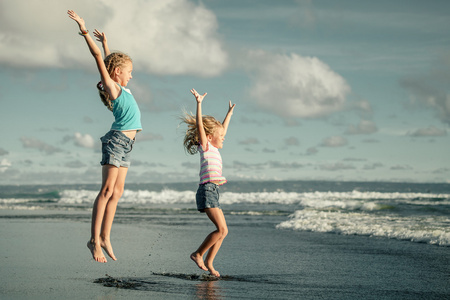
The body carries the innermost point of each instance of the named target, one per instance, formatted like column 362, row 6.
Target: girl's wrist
column 83, row 31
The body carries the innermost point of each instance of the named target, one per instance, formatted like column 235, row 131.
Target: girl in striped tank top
column 206, row 135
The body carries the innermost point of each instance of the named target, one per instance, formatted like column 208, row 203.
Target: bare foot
column 97, row 253
column 213, row 272
column 106, row 244
column 198, row 259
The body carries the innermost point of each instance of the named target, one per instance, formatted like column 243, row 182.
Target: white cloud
column 38, row 144
column 85, row 141
column 80, row 140
column 334, row 141
column 363, row 106
column 364, row 127
column 430, row 131
column 4, row 165
column 163, row 37
column 295, row 86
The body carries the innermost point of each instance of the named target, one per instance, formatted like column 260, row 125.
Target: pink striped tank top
column 211, row 165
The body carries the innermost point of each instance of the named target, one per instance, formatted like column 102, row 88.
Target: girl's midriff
column 130, row 133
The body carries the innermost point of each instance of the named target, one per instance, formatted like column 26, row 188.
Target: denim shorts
column 116, row 148
column 207, row 196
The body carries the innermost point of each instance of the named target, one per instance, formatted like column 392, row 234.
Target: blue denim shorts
column 116, row 148
column 207, row 196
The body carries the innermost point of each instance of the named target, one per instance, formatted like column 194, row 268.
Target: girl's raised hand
column 231, row 108
column 197, row 96
column 73, row 15
column 101, row 36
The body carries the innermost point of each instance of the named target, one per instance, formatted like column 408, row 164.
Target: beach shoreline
column 44, row 256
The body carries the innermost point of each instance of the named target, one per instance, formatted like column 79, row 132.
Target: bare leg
column 213, row 241
column 109, row 176
column 217, row 217
column 110, row 211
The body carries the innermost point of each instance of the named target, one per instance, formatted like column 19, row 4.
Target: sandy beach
column 44, row 256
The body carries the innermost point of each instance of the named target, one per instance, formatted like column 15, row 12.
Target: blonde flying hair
column 191, row 139
column 112, row 61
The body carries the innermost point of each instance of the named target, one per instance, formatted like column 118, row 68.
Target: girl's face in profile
column 217, row 138
column 124, row 73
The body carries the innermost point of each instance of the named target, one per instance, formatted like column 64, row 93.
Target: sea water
column 416, row 212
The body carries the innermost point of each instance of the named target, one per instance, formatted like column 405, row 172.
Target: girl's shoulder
column 126, row 90
column 123, row 90
column 208, row 147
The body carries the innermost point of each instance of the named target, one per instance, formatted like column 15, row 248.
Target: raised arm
column 201, row 130
column 101, row 37
column 227, row 119
column 109, row 85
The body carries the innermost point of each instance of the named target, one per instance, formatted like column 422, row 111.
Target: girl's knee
column 106, row 192
column 118, row 192
column 223, row 231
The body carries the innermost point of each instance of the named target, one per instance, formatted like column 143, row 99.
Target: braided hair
column 112, row 61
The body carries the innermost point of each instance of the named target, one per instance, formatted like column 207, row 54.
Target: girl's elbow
column 97, row 55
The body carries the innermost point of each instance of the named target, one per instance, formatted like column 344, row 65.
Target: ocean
column 415, row 212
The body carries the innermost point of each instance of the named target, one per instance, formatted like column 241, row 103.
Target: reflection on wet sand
column 209, row 290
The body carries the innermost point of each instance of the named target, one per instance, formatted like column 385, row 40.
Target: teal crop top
column 126, row 112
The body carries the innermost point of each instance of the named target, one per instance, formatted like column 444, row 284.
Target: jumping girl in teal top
column 115, row 72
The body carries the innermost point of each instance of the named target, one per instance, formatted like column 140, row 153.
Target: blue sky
column 324, row 90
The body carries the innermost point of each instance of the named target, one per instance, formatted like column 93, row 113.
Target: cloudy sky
column 324, row 90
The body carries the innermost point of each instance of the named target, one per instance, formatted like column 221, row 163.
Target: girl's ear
column 117, row 71
column 209, row 137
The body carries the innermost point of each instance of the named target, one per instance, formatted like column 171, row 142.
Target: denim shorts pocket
column 113, row 139
column 210, row 188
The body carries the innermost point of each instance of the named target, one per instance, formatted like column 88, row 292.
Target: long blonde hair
column 112, row 61
column 191, row 139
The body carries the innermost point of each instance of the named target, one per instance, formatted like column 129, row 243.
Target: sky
column 343, row 90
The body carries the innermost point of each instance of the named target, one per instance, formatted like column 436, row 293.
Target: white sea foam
column 20, row 207
column 18, row 204
column 432, row 230
column 9, row 201
column 130, row 197
column 354, row 200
